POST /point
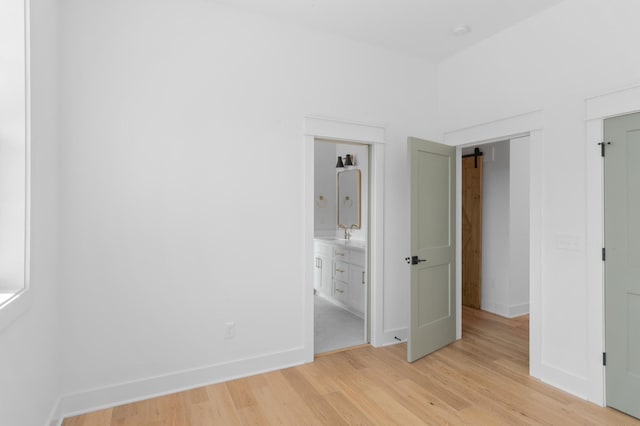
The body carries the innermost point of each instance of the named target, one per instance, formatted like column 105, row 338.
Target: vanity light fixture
column 348, row 161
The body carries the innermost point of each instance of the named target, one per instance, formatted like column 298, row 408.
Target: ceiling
column 418, row 27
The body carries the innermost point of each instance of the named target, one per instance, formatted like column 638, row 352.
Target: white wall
column 505, row 227
column 552, row 61
column 29, row 361
column 324, row 217
column 182, row 186
column 496, row 255
column 519, row 226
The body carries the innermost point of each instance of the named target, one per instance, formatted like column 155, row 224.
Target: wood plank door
column 622, row 264
column 433, row 235
column 472, row 231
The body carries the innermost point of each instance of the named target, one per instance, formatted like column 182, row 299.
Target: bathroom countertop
column 340, row 242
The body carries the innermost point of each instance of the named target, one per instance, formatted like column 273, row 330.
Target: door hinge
column 604, row 358
column 604, row 254
column 602, row 144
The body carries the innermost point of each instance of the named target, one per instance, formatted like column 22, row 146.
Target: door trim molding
column 531, row 123
column 598, row 108
column 316, row 127
column 497, row 130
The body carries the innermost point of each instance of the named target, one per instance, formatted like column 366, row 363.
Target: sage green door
column 622, row 265
column 433, row 272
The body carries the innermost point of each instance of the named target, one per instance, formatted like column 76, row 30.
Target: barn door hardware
column 475, row 155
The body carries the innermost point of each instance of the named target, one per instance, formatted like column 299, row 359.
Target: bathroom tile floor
column 334, row 327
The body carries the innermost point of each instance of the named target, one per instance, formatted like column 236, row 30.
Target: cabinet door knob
column 362, row 277
column 339, row 270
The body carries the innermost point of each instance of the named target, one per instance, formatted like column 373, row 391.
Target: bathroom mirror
column 349, row 199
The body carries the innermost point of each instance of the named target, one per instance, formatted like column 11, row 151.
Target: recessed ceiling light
column 460, row 30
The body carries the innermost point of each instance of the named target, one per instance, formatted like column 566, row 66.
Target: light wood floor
column 480, row 380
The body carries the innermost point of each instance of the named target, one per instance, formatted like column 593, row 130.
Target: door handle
column 415, row 260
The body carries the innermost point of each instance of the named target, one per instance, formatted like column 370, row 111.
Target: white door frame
column 530, row 123
column 345, row 131
column 598, row 108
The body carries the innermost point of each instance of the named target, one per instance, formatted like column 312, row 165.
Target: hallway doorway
column 495, row 227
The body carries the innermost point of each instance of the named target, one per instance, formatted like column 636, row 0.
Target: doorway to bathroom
column 341, row 245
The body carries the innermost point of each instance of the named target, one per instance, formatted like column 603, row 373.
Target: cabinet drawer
column 341, row 254
column 341, row 271
column 357, row 257
column 341, row 291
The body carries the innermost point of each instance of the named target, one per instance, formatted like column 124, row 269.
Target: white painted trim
column 518, row 310
column 507, row 311
column 22, row 301
column 15, row 307
column 536, row 228
column 595, row 271
column 616, row 102
column 496, row 308
column 597, row 108
column 348, row 131
column 308, row 234
column 340, row 130
column 562, row 379
column 55, row 415
column 376, row 245
column 459, row 243
column 493, row 131
column 505, row 129
column 122, row 393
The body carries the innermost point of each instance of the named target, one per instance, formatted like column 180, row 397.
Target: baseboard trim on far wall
column 510, row 311
column 123, row 393
column 517, row 310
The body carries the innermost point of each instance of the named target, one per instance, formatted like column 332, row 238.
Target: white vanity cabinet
column 347, row 277
column 357, row 288
column 323, row 272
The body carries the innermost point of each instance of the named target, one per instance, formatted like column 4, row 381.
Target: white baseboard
column 124, row 393
column 496, row 308
column 517, row 310
column 561, row 379
column 55, row 417
column 506, row 311
column 388, row 337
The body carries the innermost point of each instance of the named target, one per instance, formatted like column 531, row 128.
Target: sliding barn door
column 472, row 231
